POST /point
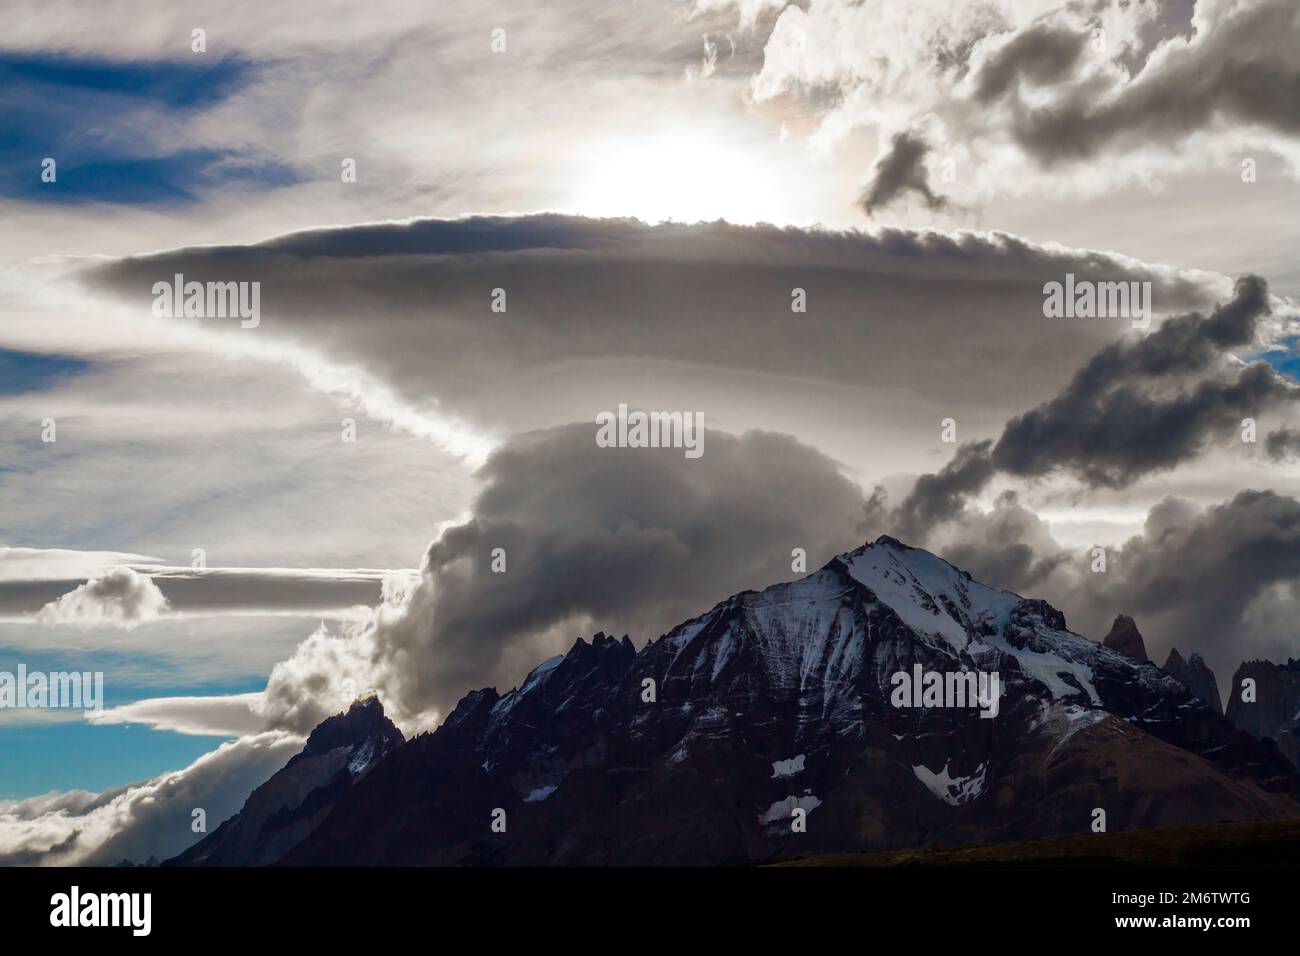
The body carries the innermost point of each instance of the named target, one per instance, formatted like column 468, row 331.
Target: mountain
column 775, row 724
column 1274, row 714
column 1125, row 638
column 1196, row 676
column 283, row 811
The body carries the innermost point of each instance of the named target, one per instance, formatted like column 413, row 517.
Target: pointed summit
column 363, row 722
column 284, row 810
column 1195, row 676
column 1125, row 637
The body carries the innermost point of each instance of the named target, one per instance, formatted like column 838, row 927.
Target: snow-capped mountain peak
column 777, row 704
column 928, row 593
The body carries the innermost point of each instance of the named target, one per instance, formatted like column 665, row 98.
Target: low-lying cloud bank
column 151, row 819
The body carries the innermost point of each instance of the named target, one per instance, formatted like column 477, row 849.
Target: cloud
column 1235, row 71
column 1283, row 444
column 344, row 509
column 415, row 97
column 1041, row 54
column 1027, row 95
column 1127, row 413
column 1223, row 581
column 329, row 670
column 1118, row 418
column 126, row 594
column 937, row 497
column 142, row 820
column 887, row 311
column 235, row 715
column 60, row 564
column 750, row 10
column 1008, row 546
column 624, row 540
column 120, row 597
column 898, row 171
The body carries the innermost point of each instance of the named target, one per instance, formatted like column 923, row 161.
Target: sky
column 826, row 226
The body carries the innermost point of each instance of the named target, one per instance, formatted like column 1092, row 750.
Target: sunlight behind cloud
column 685, row 175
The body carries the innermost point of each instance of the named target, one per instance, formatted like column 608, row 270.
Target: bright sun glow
column 685, row 177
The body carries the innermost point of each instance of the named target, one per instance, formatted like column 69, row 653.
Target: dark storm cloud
column 938, row 497
column 1009, row 546
column 899, row 171
column 1042, row 54
column 1283, row 444
column 1119, row 418
column 1222, row 583
column 1114, row 439
column 634, row 539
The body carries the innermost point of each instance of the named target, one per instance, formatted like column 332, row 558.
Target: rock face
column 1125, row 638
column 1275, row 712
column 1195, row 676
column 282, row 812
column 773, row 725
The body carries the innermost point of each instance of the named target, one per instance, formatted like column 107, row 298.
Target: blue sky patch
column 116, row 130
column 1286, row 361
column 79, row 755
column 31, row 372
column 76, row 754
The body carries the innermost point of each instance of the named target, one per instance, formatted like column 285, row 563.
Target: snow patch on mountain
column 784, row 809
column 361, row 758
column 952, row 790
column 787, row 768
column 1063, row 720
column 1047, row 668
column 501, row 709
column 929, row 594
